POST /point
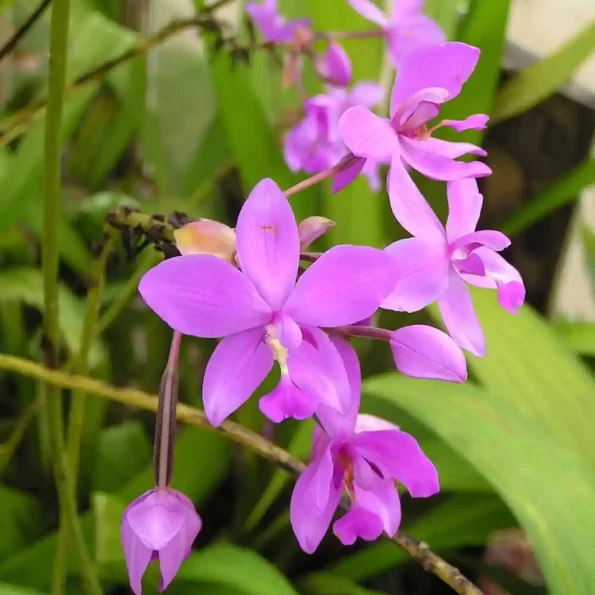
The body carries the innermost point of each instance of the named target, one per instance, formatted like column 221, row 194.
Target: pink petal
column 449, row 149
column 366, row 94
column 422, row 351
column 346, row 284
column 170, row 560
column 370, row 423
column 369, row 11
column 410, row 33
column 358, row 522
column 418, row 109
column 334, row 66
column 456, row 309
column 409, row 207
column 422, row 274
column 472, row 265
column 203, row 296
column 268, row 242
column 237, row 367
column 298, row 142
column 420, row 156
column 137, row 556
column 399, row 456
column 497, row 270
column 311, row 228
column 371, row 171
column 474, row 122
column 346, row 176
column 494, row 240
column 287, row 400
column 511, row 296
column 446, row 65
column 289, row 332
column 383, row 500
column 308, row 522
column 366, row 134
column 464, row 208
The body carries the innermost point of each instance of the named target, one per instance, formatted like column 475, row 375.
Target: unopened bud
column 311, row 228
column 207, row 237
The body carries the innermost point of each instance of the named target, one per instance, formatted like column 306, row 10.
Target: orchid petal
column 346, row 284
column 421, row 271
column 136, row 554
column 410, row 34
column 366, row 94
column 409, row 207
column 447, row 65
column 370, row 423
column 369, row 11
column 472, row 265
column 422, row 351
column 203, row 296
column 347, row 175
column 456, row 309
column 420, row 156
column 289, row 331
column 308, row 523
column 268, row 243
column 170, row 560
column 206, row 237
column 287, row 400
column 494, row 240
column 474, row 122
column 367, row 135
column 449, row 149
column 334, row 65
column 464, row 208
column 511, row 296
column 235, row 370
column 371, row 171
column 497, row 270
column 358, row 522
column 311, row 228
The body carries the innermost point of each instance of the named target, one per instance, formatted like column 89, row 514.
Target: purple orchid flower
column 334, row 65
column 359, row 455
column 314, row 144
column 436, row 264
column 264, row 315
column 272, row 26
column 159, row 525
column 427, row 78
column 406, row 29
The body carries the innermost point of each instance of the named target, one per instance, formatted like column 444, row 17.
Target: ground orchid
column 361, row 456
column 272, row 26
column 436, row 263
column 406, row 28
column 265, row 315
column 427, row 78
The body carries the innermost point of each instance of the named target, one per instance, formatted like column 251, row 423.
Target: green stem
column 69, row 521
column 418, row 550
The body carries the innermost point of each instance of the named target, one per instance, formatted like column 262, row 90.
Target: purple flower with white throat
column 272, row 26
column 436, row 264
column 160, row 525
column 265, row 315
column 406, row 29
column 427, row 78
column 360, row 456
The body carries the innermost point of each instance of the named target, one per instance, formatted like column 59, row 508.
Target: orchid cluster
column 275, row 305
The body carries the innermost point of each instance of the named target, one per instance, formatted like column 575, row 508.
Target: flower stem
column 368, row 332
column 337, row 35
column 235, row 432
column 69, row 520
column 346, row 162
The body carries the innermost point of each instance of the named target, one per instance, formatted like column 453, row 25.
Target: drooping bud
column 311, row 228
column 334, row 66
column 207, row 237
column 160, row 525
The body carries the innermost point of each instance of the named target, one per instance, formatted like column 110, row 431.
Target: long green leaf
column 549, row 488
column 326, row 583
column 578, row 336
column 543, row 78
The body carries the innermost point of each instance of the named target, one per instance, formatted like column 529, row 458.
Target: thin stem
column 338, row 35
column 135, row 398
column 18, row 432
column 345, row 163
column 310, row 256
column 23, row 29
column 368, row 332
column 69, row 521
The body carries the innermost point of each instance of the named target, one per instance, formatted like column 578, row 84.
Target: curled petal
column 334, row 65
column 422, row 274
column 446, row 65
column 450, row 149
column 268, row 243
column 458, row 315
column 472, row 265
column 206, row 237
column 346, row 284
column 474, row 122
column 358, row 522
column 237, row 367
column 422, row 351
column 289, row 331
column 347, row 175
column 203, row 296
column 171, row 558
column 369, row 11
column 366, row 134
column 311, row 228
column 287, row 400
column 495, row 240
column 464, row 208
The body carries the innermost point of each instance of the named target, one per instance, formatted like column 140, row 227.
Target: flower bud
column 206, row 237
column 311, row 228
column 159, row 525
column 333, row 66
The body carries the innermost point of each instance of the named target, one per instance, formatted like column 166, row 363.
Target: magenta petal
column 411, row 33
column 366, row 134
column 474, row 122
column 358, row 522
column 383, row 500
column 409, row 206
column 346, row 176
column 268, row 243
column 464, row 208
column 290, row 334
column 170, row 560
column 456, row 309
column 366, row 94
column 446, row 65
column 422, row 274
column 511, row 296
column 472, row 265
column 422, row 351
column 398, row 456
column 495, row 240
column 137, row 556
column 370, row 423
column 237, row 367
column 497, row 270
column 308, row 523
column 334, row 66
column 287, row 400
column 369, row 11
column 418, row 154
column 346, row 284
column 203, row 296
column 450, row 149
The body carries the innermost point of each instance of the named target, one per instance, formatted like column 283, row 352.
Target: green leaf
column 543, row 78
column 445, row 13
column 20, row 519
column 325, row 583
column 463, row 520
column 6, row 589
column 559, row 194
column 528, row 367
column 588, row 238
column 111, row 469
column 577, row 336
column 520, row 460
